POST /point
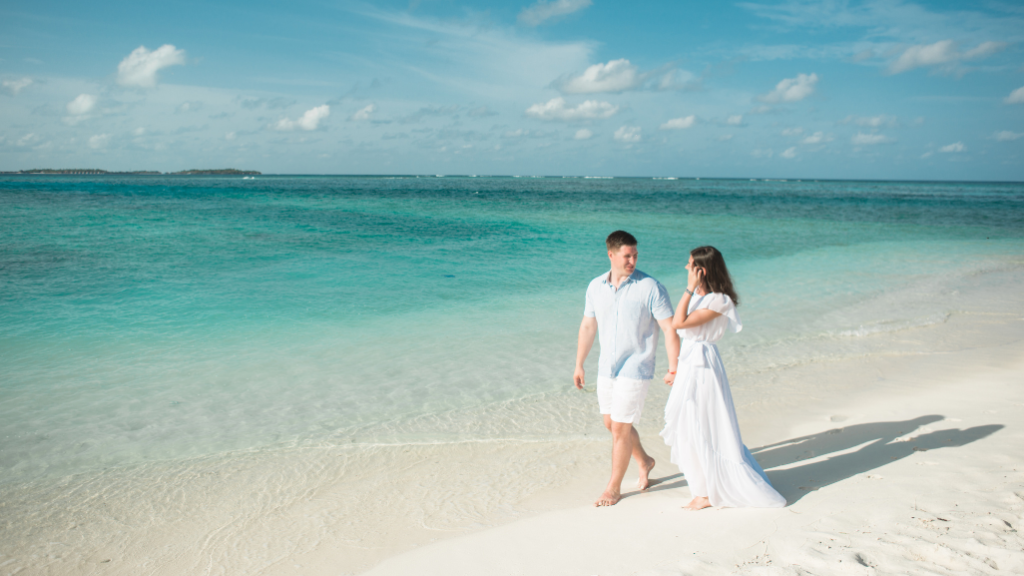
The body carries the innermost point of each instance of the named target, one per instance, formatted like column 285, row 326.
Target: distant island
column 192, row 172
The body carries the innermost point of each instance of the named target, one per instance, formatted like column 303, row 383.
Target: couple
column 627, row 307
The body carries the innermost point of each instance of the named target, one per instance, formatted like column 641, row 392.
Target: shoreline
column 323, row 514
column 921, row 478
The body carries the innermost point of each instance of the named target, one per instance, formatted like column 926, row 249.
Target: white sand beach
column 915, row 468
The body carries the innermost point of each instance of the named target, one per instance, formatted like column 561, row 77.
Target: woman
column 700, row 420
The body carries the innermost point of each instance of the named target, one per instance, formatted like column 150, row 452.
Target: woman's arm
column 682, row 318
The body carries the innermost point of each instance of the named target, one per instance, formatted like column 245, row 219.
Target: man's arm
column 671, row 348
column 588, row 329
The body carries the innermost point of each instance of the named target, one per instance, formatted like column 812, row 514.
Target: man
column 627, row 307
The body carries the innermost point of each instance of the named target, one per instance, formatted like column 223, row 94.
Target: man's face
column 624, row 259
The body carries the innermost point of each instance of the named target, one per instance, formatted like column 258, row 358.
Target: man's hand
column 577, row 378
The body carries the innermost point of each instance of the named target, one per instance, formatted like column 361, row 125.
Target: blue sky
column 874, row 90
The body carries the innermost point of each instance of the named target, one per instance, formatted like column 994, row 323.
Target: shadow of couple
column 847, row 452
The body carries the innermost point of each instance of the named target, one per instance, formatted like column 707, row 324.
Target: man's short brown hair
column 618, row 239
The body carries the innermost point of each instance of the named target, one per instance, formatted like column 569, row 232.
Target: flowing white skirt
column 702, row 431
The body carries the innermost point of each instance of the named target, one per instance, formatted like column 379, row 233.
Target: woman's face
column 689, row 265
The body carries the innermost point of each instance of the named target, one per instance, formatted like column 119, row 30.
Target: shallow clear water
column 150, row 318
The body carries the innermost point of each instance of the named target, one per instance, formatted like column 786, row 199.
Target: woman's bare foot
column 698, row 503
column 610, row 497
column 645, row 471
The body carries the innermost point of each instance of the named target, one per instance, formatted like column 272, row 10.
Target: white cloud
column 679, row 123
column 140, row 67
column 543, row 11
column 628, row 134
column 792, row 89
column 793, row 131
column 615, row 76
column 555, row 109
column 762, row 153
column 309, row 121
column 941, row 52
column 139, row 131
column 99, row 141
column 984, row 49
column 27, row 140
column 954, row 147
column 1015, row 97
column 81, row 105
column 872, row 121
column 725, row 137
column 924, row 55
column 230, row 136
column 364, row 113
column 583, row 134
column 734, row 120
column 927, row 155
column 1007, row 136
column 14, row 86
column 816, row 138
column 789, row 152
column 867, row 139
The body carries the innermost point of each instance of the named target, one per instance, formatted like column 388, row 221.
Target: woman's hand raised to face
column 694, row 278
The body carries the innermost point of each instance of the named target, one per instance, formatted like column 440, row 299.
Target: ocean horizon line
column 252, row 174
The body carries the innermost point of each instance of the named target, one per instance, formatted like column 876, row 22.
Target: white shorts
column 622, row 398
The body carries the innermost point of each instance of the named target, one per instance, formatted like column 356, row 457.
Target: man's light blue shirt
column 627, row 323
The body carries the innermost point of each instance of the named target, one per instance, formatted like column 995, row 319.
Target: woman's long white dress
column 700, row 420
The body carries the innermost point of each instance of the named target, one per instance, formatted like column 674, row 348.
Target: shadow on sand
column 857, row 449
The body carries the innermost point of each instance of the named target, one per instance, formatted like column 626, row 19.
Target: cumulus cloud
column 628, row 134
column 99, row 141
column 139, row 131
column 941, row 52
column 679, row 123
column 364, row 113
column 309, row 121
column 556, row 109
column 615, row 76
column 1015, row 97
column 955, row 147
column 140, row 67
column 793, row 131
column 792, row 89
column 543, row 11
column 762, row 153
column 725, row 137
column 583, row 134
column 789, row 152
column 1007, row 136
column 81, row 105
column 735, row 120
column 862, row 139
column 816, row 138
column 13, row 87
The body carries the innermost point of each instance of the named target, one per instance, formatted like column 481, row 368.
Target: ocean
column 152, row 325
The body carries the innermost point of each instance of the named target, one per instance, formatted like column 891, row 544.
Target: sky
column 794, row 89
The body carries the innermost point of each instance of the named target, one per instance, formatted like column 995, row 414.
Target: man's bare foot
column 698, row 503
column 645, row 471
column 609, row 498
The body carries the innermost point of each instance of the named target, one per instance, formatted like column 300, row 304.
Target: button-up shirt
column 627, row 323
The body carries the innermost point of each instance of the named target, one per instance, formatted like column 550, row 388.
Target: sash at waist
column 696, row 353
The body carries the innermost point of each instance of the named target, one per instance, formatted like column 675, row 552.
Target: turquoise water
column 157, row 318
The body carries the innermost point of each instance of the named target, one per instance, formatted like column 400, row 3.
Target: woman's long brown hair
column 716, row 275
